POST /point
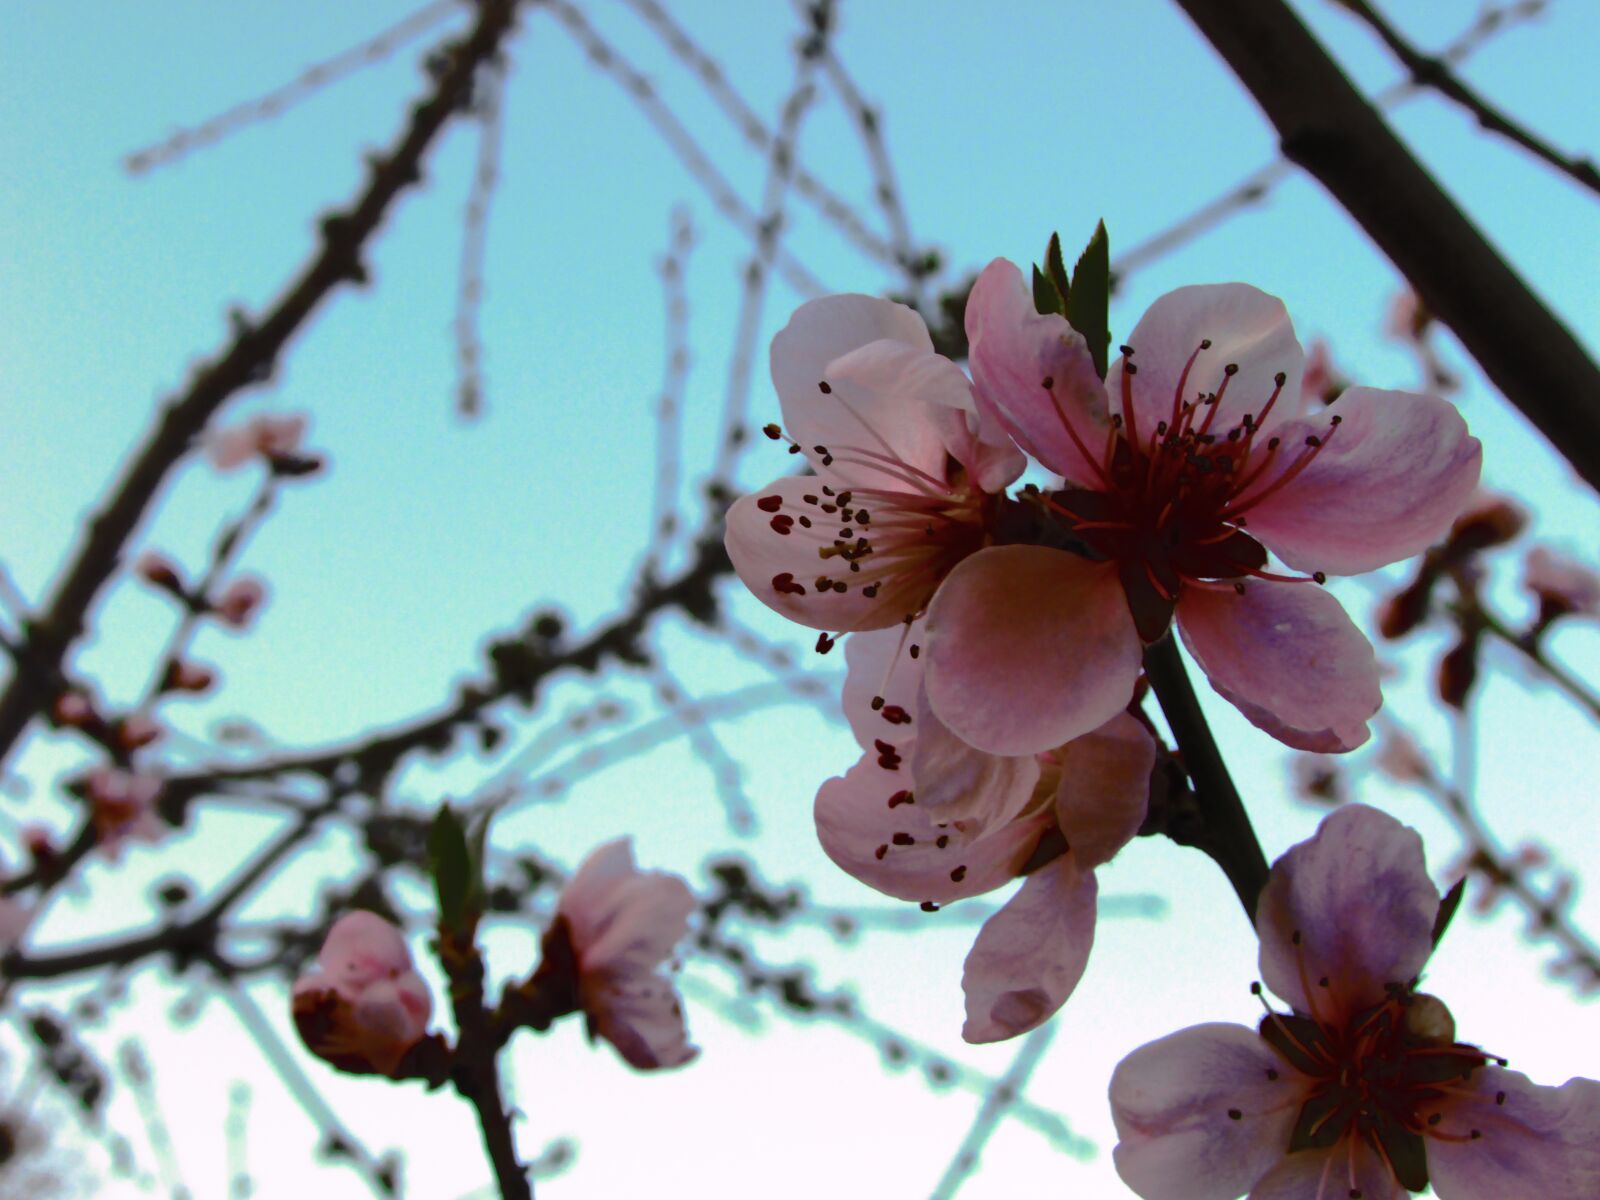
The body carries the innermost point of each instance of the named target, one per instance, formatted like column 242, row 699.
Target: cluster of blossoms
column 364, row 1008
column 998, row 638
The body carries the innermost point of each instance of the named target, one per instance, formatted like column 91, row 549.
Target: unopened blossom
column 925, row 817
column 268, row 435
column 1563, row 586
column 239, row 601
column 185, row 676
column 123, row 808
column 605, row 954
column 363, row 1005
column 159, row 571
column 907, row 476
column 135, row 730
column 1181, row 471
column 1362, row 1090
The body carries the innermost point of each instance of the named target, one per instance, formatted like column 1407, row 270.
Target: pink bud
column 188, row 677
column 72, row 710
column 363, row 1005
column 123, row 804
column 239, row 601
column 159, row 571
column 136, row 730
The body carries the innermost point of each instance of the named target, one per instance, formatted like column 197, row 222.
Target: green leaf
column 1045, row 297
column 1057, row 270
column 1089, row 299
column 1447, row 909
column 454, row 876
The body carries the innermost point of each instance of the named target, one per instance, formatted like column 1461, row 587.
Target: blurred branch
column 1005, row 1093
column 249, row 360
column 1533, row 650
column 474, row 244
column 1326, row 127
column 1428, row 71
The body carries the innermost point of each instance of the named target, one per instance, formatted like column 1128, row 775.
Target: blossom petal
column 1029, row 956
column 1173, row 1100
column 819, row 333
column 396, row 1010
column 1246, row 327
column 642, row 1018
column 361, row 948
column 1028, row 648
column 781, row 568
column 1289, row 658
column 624, row 921
column 1385, row 484
column 1350, row 1168
column 1013, row 349
column 954, row 780
column 1353, row 905
column 981, row 446
column 879, row 665
column 1539, row 1141
column 904, row 851
column 1105, row 788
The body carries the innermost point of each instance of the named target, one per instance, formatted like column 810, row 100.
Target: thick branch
column 249, row 359
column 1326, row 127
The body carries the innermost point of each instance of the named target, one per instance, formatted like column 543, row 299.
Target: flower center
column 1168, row 505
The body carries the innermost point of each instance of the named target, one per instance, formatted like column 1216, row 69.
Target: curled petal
column 1352, row 905
column 1174, row 1101
column 1013, row 350
column 1386, row 484
column 954, row 780
column 982, row 447
column 1533, row 1141
column 642, row 1018
column 1350, row 1168
column 819, row 332
column 1289, row 658
column 1105, row 788
column 779, row 560
column 903, row 850
column 1029, row 648
column 1246, row 328
column 623, row 920
column 1030, row 955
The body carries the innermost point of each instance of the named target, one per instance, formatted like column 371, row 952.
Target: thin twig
column 1429, row 71
column 474, row 243
column 996, row 1104
column 249, row 359
column 673, row 268
column 1533, row 650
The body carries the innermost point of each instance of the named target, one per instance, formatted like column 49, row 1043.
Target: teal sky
column 1004, row 123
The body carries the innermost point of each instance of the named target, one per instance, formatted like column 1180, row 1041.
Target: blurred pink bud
column 40, row 845
column 123, row 804
column 1401, row 759
column 1563, row 586
column 1322, row 381
column 363, row 1005
column 269, row 436
column 72, row 710
column 615, row 927
column 239, row 601
column 1407, row 320
column 188, row 677
column 159, row 571
column 136, row 730
column 15, row 917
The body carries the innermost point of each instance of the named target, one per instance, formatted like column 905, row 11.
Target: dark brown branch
column 1430, row 72
column 249, row 360
column 1326, row 127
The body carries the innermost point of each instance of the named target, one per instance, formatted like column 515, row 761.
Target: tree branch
column 1326, row 127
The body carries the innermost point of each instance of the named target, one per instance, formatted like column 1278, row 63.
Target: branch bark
column 1329, row 129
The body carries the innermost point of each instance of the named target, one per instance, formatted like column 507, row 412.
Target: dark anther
column 903, row 839
column 1047, row 382
column 903, row 796
column 770, row 504
column 1272, row 1073
column 915, row 650
column 824, row 643
column 1280, row 378
column 826, row 390
column 929, row 906
column 942, row 840
column 1231, row 369
column 1235, row 1115
column 1313, row 440
column 877, row 703
column 772, row 431
column 958, row 874
column 880, row 851
column 1320, row 576
column 1205, row 343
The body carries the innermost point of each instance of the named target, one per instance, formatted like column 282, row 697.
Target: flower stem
column 1227, row 836
column 1533, row 649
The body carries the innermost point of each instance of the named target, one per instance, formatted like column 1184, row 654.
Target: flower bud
column 363, row 1005
column 159, row 571
column 239, row 602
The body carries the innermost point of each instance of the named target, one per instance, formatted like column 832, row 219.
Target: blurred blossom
column 123, row 808
column 1401, row 759
column 159, row 571
column 136, row 730
column 74, row 710
column 363, row 1005
column 1406, row 320
column 1322, row 380
column 184, row 676
column 268, row 436
column 1362, row 1090
column 615, row 928
column 1176, row 498
column 1563, row 586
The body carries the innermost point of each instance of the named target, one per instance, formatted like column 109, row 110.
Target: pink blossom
column 1169, row 507
column 1562, row 585
column 907, row 472
column 1363, row 1089
column 268, row 435
column 239, row 601
column 363, row 1005
column 925, row 817
column 123, row 807
column 615, row 926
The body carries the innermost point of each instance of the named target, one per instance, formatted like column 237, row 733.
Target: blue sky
column 428, row 531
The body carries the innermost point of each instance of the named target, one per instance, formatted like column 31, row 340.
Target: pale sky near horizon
column 1004, row 123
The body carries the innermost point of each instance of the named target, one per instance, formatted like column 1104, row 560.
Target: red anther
column 770, row 504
